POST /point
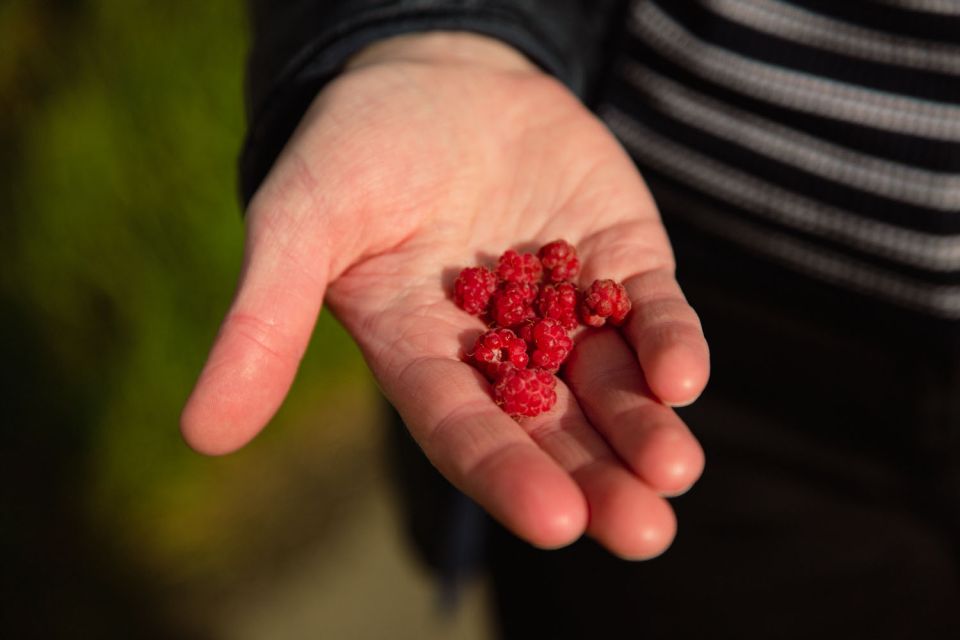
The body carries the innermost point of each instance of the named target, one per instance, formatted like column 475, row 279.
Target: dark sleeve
column 298, row 45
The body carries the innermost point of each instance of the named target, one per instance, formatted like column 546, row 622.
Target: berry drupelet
column 559, row 260
column 473, row 289
column 512, row 303
column 559, row 302
column 525, row 392
column 549, row 343
column 497, row 347
column 519, row 267
column 604, row 300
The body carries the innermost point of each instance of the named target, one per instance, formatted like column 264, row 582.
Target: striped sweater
column 822, row 136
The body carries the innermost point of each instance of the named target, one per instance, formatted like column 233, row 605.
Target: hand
column 429, row 152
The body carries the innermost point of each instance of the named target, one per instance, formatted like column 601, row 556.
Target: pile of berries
column 531, row 305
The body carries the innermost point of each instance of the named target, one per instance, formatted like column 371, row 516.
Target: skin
column 433, row 152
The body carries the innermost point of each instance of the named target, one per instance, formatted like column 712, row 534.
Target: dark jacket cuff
column 300, row 47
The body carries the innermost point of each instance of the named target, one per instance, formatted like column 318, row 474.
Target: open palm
column 406, row 169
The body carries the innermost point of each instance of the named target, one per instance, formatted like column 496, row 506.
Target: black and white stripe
column 828, row 144
column 800, row 25
column 945, row 7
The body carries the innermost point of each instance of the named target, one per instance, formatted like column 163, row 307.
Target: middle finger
column 609, row 385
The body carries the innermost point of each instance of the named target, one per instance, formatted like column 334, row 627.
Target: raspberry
column 497, row 347
column 513, row 303
column 473, row 289
column 529, row 321
column 559, row 260
column 559, row 302
column 549, row 341
column 525, row 392
column 519, row 267
column 602, row 300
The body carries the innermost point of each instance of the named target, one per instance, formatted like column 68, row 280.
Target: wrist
column 448, row 48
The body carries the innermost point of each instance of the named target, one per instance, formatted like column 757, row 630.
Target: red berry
column 513, row 303
column 559, row 302
column 525, row 392
column 519, row 267
column 549, row 343
column 530, row 322
column 605, row 299
column 559, row 260
column 497, row 347
column 473, row 289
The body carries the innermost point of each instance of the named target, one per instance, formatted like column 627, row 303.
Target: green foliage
column 122, row 243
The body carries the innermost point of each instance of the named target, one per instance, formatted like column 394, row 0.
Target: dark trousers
column 787, row 535
column 830, row 503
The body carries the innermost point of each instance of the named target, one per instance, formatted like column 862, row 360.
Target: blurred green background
column 120, row 238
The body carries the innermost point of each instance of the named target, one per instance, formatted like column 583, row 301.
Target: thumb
column 258, row 349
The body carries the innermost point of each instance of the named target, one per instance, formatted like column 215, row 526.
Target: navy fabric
column 299, row 45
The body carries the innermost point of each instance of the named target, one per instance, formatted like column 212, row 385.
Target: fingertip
column 671, row 461
column 561, row 528
column 237, row 394
column 626, row 516
column 678, row 373
column 238, row 391
column 651, row 537
column 203, row 436
column 554, row 520
column 535, row 500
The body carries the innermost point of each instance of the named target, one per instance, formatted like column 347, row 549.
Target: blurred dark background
column 120, row 241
